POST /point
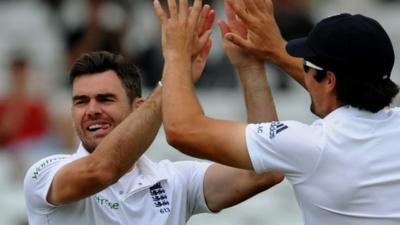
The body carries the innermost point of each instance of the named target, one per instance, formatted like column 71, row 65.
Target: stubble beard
column 89, row 147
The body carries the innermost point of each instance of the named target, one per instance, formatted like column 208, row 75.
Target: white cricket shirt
column 345, row 168
column 152, row 193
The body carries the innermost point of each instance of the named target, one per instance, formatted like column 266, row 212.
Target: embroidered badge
column 160, row 199
column 275, row 128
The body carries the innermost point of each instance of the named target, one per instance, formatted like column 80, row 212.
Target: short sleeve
column 291, row 147
column 38, row 180
column 193, row 174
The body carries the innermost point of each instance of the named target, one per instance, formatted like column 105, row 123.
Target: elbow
column 186, row 136
column 272, row 178
column 278, row 177
column 174, row 135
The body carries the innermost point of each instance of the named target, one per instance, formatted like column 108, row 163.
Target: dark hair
column 365, row 94
column 101, row 61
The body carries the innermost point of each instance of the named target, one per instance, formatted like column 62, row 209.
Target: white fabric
column 152, row 193
column 345, row 168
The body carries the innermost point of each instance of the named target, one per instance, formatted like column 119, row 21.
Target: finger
column 241, row 28
column 230, row 14
column 200, row 42
column 224, row 28
column 206, row 50
column 238, row 40
column 173, row 11
column 251, row 6
column 200, row 60
column 209, row 21
column 202, row 19
column 239, row 9
column 159, row 11
column 263, row 5
column 183, row 9
column 259, row 8
column 204, row 38
column 195, row 13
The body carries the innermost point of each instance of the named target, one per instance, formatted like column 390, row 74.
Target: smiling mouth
column 96, row 127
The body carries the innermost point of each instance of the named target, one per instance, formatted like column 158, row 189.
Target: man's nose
column 93, row 109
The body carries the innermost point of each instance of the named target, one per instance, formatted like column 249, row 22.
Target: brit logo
column 275, row 128
column 160, row 199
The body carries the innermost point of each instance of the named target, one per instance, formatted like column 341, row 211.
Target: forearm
column 259, row 102
column 130, row 139
column 180, row 105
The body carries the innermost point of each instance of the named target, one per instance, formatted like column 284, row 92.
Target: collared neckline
column 347, row 110
column 147, row 170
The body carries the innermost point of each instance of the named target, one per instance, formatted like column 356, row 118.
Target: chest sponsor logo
column 160, row 198
column 106, row 203
column 275, row 128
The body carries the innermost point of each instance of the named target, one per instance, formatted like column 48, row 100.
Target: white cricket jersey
column 152, row 193
column 345, row 168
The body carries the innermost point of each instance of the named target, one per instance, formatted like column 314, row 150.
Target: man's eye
column 107, row 100
column 78, row 102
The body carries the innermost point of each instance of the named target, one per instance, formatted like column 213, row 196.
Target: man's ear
column 330, row 81
column 137, row 102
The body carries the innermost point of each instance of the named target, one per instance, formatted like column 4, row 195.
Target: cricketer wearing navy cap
column 358, row 52
column 344, row 167
column 348, row 42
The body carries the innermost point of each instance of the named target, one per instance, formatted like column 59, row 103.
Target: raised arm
column 260, row 106
column 112, row 158
column 264, row 39
column 186, row 126
column 189, row 130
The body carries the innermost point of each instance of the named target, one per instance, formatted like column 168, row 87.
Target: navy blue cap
column 346, row 42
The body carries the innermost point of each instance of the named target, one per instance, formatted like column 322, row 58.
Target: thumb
column 237, row 40
column 223, row 27
column 206, row 50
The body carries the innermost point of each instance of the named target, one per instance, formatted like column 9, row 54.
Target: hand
column 263, row 36
column 239, row 57
column 199, row 61
column 180, row 40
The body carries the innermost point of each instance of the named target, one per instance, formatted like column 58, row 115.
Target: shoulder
column 36, row 170
column 283, row 145
column 289, row 130
column 38, row 180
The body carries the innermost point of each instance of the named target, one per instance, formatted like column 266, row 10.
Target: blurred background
column 40, row 38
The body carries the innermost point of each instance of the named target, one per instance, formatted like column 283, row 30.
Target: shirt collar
column 81, row 151
column 146, row 167
column 350, row 111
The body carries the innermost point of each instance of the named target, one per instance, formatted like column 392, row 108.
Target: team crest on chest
column 160, row 198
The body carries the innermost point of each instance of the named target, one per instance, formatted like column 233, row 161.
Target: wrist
column 251, row 68
column 279, row 55
column 177, row 57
